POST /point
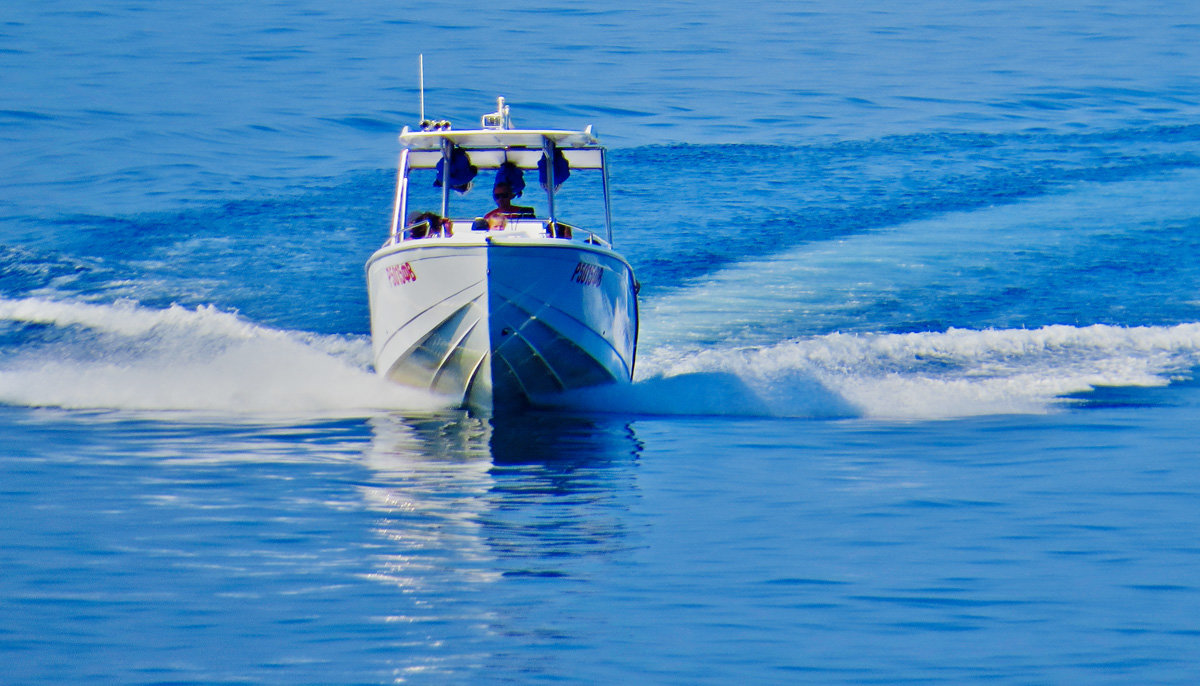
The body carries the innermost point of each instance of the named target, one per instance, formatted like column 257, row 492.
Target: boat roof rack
column 497, row 143
column 490, row 148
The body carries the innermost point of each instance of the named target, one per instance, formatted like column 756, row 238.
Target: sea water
column 915, row 397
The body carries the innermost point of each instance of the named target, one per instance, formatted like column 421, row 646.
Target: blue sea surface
column 915, row 401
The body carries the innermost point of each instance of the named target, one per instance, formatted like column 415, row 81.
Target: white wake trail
column 929, row 375
column 127, row 356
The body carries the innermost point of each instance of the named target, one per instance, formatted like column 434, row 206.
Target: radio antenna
column 421, row 81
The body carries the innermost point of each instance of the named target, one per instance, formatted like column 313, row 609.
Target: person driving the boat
column 503, row 194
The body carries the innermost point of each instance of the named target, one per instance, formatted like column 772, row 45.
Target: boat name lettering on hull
column 399, row 274
column 587, row 274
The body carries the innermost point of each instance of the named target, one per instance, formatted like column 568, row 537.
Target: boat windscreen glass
column 579, row 201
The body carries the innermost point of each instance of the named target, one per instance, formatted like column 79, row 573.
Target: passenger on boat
column 425, row 224
column 503, row 194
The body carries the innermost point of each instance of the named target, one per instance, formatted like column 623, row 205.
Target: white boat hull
column 498, row 323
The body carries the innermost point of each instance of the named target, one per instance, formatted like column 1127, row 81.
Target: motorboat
column 506, row 307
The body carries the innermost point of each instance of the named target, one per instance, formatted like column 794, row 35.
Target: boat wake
column 126, row 356
column 928, row 375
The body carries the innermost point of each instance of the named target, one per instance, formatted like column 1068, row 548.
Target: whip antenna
column 421, row 81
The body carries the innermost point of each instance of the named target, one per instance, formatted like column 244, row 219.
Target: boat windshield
column 579, row 201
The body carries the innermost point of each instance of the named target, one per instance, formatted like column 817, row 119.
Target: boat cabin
column 522, row 182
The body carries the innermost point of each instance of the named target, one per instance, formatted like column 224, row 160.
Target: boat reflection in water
column 474, row 473
column 469, row 506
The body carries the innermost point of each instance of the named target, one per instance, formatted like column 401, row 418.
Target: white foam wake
column 131, row 357
column 955, row 373
column 127, row 356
